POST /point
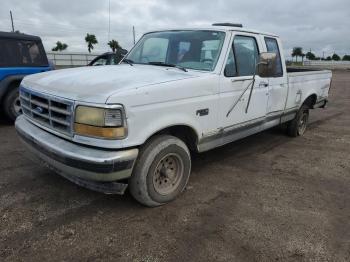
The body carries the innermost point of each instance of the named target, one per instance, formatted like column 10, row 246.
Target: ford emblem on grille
column 39, row 110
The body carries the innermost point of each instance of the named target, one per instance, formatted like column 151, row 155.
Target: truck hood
column 97, row 84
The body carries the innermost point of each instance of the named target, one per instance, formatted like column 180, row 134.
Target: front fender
column 150, row 125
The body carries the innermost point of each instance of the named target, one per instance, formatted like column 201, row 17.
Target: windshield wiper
column 128, row 61
column 169, row 65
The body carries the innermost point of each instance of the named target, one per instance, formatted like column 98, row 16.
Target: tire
column 11, row 105
column 298, row 125
column 161, row 172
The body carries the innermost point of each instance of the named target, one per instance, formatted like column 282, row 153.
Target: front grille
column 52, row 112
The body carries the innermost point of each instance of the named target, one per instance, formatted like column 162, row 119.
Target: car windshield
column 197, row 50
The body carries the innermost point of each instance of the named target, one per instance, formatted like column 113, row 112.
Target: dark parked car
column 108, row 58
column 20, row 55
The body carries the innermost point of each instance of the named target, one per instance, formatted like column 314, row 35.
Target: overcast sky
column 322, row 25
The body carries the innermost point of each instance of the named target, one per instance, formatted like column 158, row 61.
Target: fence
column 63, row 59
column 328, row 64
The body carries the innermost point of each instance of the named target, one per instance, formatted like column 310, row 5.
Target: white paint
column 158, row 97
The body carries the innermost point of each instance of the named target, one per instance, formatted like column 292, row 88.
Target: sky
column 320, row 25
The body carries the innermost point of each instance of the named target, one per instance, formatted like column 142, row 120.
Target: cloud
column 320, row 25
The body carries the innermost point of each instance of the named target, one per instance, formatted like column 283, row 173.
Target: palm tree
column 114, row 45
column 60, row 46
column 297, row 51
column 91, row 41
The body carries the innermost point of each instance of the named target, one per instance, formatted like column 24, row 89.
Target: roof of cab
column 220, row 28
column 19, row 36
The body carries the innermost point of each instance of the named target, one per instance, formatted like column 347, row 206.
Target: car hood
column 97, row 84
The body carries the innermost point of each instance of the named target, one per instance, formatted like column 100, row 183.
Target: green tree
column 335, row 57
column 91, row 40
column 114, row 45
column 60, row 46
column 297, row 51
column 329, row 58
column 346, row 58
column 310, row 56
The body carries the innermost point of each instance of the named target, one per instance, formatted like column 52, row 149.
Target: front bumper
column 79, row 163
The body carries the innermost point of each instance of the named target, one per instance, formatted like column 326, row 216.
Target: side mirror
column 267, row 64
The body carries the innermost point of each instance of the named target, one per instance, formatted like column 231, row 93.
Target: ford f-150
column 176, row 92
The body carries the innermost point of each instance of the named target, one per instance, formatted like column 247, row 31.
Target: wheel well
column 311, row 100
column 187, row 134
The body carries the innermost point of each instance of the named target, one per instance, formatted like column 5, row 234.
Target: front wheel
column 161, row 172
column 12, row 104
column 298, row 125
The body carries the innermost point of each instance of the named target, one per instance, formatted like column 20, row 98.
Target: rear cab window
column 22, row 53
column 272, row 46
column 243, row 57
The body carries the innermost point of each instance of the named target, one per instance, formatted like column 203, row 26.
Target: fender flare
column 5, row 84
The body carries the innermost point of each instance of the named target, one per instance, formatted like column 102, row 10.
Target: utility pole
column 133, row 33
column 109, row 19
column 13, row 28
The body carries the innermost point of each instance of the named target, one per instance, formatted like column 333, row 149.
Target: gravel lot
column 265, row 198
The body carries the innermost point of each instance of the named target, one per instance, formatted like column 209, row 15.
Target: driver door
column 236, row 86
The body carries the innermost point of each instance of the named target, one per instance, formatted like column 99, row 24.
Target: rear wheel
column 12, row 104
column 298, row 125
column 161, row 172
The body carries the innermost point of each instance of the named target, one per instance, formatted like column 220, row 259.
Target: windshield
column 197, row 50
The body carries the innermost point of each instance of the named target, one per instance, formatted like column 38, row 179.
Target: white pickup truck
column 177, row 91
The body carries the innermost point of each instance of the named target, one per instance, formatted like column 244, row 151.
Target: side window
column 247, row 55
column 21, row 53
column 230, row 68
column 272, row 46
column 101, row 61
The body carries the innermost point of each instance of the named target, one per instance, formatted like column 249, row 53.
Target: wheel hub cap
column 302, row 123
column 168, row 173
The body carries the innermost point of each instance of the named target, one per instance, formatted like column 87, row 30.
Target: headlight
column 100, row 122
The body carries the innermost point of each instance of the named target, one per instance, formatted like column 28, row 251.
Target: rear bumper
column 74, row 161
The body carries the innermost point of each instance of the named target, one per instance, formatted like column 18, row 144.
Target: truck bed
column 300, row 69
column 307, row 82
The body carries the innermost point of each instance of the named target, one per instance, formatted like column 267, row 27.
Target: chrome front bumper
column 78, row 163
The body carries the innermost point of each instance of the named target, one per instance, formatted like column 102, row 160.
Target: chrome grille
column 52, row 112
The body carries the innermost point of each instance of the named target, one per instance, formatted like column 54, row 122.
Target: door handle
column 263, row 84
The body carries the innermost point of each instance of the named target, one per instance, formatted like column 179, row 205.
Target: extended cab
column 177, row 91
column 20, row 55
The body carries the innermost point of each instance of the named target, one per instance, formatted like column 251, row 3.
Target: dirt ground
column 268, row 197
